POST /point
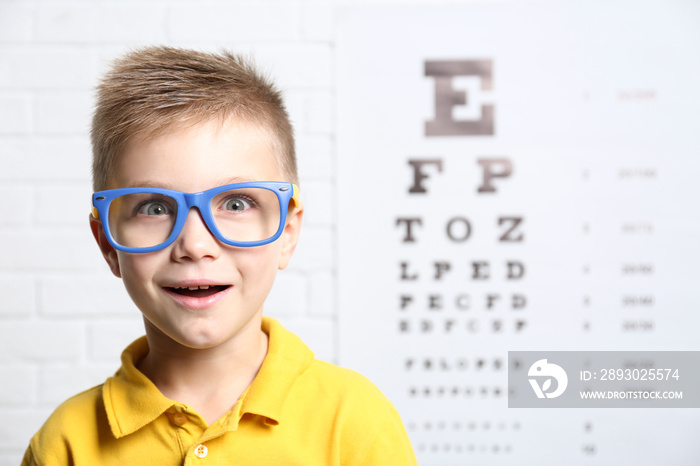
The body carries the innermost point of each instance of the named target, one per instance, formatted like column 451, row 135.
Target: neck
column 209, row 380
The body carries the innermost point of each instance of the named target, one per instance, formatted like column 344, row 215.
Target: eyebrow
column 159, row 185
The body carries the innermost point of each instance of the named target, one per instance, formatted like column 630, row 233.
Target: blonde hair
column 153, row 89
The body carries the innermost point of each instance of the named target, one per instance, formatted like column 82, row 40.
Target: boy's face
column 239, row 279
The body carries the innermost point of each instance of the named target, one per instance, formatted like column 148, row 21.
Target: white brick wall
column 15, row 113
column 64, row 319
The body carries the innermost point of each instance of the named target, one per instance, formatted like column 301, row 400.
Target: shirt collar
column 287, row 357
column 132, row 401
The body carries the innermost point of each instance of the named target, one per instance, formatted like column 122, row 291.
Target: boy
column 212, row 382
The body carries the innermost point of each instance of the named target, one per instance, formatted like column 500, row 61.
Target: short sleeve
column 28, row 459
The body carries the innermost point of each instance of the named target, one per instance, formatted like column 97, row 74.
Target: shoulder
column 343, row 383
column 78, row 409
column 330, row 404
column 353, row 399
column 76, row 418
column 292, row 365
column 364, row 418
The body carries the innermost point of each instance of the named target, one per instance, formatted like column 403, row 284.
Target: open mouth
column 199, row 291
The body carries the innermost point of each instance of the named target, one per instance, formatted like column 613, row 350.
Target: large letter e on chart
column 446, row 97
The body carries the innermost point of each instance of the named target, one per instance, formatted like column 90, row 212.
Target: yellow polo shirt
column 297, row 411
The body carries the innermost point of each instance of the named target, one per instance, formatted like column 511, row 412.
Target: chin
column 201, row 342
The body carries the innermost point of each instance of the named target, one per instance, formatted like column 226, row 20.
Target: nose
column 195, row 241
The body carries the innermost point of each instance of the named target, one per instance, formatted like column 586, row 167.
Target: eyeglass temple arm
column 295, row 196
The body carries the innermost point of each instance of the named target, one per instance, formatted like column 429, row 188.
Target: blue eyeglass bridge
column 284, row 191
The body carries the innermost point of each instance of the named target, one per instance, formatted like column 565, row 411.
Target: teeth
column 192, row 288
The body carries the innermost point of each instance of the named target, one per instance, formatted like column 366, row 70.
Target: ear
column 108, row 252
column 290, row 235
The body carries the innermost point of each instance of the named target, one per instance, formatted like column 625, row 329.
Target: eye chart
column 518, row 177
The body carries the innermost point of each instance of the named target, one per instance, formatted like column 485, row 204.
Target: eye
column 154, row 208
column 236, row 204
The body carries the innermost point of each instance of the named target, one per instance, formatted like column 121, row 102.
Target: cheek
column 136, row 270
column 258, row 266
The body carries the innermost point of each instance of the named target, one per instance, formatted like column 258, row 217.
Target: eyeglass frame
column 285, row 192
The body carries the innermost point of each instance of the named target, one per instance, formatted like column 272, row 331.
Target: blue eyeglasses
column 141, row 220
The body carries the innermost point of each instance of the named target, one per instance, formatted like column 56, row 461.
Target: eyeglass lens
column 143, row 220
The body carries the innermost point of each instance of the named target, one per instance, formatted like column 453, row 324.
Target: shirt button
column 178, row 419
column 200, row 451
